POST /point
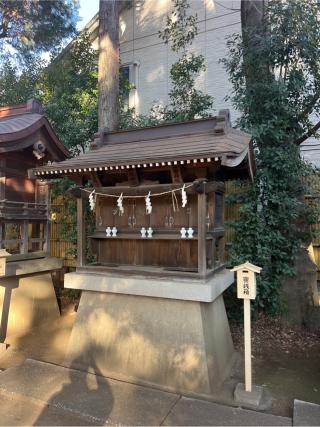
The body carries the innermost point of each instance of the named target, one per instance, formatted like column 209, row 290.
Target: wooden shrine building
column 152, row 307
column 27, row 140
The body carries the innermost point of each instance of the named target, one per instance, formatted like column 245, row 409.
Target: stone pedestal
column 176, row 335
column 300, row 292
column 250, row 399
column 27, row 296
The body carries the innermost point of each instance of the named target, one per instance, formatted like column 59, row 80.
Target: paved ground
column 49, row 342
column 306, row 414
column 39, row 393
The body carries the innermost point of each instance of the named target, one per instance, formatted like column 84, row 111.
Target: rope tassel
column 120, row 204
column 92, row 200
column 148, row 204
column 184, row 196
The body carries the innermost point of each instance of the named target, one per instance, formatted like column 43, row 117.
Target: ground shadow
column 86, row 396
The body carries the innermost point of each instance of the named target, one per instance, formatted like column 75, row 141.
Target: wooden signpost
column 247, row 290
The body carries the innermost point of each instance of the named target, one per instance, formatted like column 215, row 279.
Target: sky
column 88, row 8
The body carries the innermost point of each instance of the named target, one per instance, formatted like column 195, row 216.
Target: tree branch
column 308, row 109
column 307, row 135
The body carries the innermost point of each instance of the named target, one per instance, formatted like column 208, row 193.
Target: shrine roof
column 201, row 140
column 19, row 122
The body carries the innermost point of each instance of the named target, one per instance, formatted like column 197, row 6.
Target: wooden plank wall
column 60, row 247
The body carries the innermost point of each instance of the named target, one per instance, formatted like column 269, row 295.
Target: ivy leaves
column 275, row 73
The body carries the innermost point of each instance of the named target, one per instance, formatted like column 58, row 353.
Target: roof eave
column 41, row 124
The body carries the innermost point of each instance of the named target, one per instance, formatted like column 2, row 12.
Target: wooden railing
column 24, row 227
column 23, row 210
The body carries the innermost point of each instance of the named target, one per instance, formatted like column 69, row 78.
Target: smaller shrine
column 152, row 308
column 27, row 295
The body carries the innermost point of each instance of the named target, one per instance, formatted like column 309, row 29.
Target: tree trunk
column 252, row 12
column 252, row 25
column 108, row 74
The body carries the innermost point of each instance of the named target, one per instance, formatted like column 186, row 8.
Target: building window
column 125, row 85
column 128, row 83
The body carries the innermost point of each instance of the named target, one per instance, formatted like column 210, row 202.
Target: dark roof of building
column 18, row 122
column 198, row 140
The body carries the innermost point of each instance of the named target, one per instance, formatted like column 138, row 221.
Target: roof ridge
column 31, row 106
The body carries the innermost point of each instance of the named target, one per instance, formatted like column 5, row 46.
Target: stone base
column 3, row 347
column 251, row 399
column 300, row 293
column 180, row 345
column 26, row 302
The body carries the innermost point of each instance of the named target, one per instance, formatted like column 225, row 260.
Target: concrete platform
column 185, row 289
column 193, row 412
column 33, row 266
column 306, row 414
column 38, row 393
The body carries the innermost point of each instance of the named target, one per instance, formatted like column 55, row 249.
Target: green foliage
column 186, row 102
column 17, row 87
column 31, row 26
column 180, row 28
column 68, row 90
column 275, row 74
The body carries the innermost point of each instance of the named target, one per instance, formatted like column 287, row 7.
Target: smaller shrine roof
column 203, row 140
column 247, row 266
column 19, row 122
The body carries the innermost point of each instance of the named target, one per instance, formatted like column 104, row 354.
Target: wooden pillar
column 247, row 344
column 42, row 196
column 81, row 232
column 2, row 179
column 24, row 248
column 47, row 233
column 2, row 233
column 202, row 255
column 2, row 197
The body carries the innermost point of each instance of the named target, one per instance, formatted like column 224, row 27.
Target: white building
column 147, row 60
